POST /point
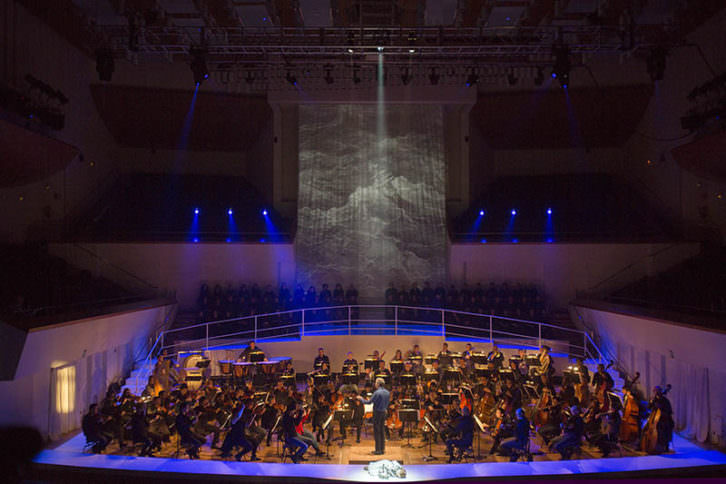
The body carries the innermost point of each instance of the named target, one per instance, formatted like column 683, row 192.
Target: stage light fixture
column 514, row 212
column 411, row 51
column 195, row 240
column 434, row 77
column 199, row 65
column 264, row 212
column 291, row 78
column 229, row 212
column 481, row 213
column 196, row 211
column 539, row 78
column 105, row 64
column 380, row 49
column 549, row 211
column 350, row 50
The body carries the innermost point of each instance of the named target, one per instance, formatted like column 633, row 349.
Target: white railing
column 382, row 320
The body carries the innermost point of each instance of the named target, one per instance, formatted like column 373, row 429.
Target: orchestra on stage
column 448, row 397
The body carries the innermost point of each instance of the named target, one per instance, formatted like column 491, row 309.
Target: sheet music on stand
column 482, row 430
column 327, row 422
column 434, row 429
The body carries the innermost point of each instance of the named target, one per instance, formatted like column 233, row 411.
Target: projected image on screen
column 371, row 205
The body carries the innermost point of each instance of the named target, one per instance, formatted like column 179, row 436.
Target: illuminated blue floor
column 687, row 455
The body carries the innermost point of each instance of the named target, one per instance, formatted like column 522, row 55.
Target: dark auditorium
column 320, row 241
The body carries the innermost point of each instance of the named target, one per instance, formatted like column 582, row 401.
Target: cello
column 649, row 438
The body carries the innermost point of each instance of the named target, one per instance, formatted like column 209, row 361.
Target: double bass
column 630, row 425
column 649, row 438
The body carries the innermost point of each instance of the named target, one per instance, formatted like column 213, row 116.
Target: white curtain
column 64, row 413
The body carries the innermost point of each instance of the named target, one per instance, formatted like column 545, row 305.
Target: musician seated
column 320, row 359
column 571, row 439
column 140, row 433
column 495, row 358
column 415, row 351
column 350, row 365
column 607, row 439
column 189, row 439
column 92, row 426
column 382, row 370
column 465, row 431
column 551, row 428
column 520, row 440
column 290, row 421
column 602, row 380
column 251, row 348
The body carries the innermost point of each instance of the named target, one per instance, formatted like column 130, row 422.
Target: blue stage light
column 229, row 212
column 514, row 212
column 554, row 75
column 481, row 213
column 515, row 241
column 195, row 240
column 549, row 211
column 229, row 240
column 483, row 241
column 549, row 241
column 264, row 212
column 196, row 211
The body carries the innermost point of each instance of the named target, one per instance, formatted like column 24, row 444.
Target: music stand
column 430, row 457
column 256, row 356
column 448, row 398
column 408, row 416
column 324, row 427
column 342, row 416
column 272, row 431
column 481, row 428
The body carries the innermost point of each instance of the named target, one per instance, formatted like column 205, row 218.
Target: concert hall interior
column 362, row 240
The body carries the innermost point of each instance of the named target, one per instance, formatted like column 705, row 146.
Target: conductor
column 380, row 400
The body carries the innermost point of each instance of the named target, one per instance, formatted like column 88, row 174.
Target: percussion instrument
column 349, row 378
column 371, row 363
column 241, row 369
column 288, row 380
column 195, row 360
column 396, row 366
column 225, row 367
column 430, row 358
column 268, row 367
column 193, row 379
column 319, row 379
column 478, row 358
column 408, row 379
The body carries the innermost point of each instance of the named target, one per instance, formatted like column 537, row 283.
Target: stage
column 69, row 462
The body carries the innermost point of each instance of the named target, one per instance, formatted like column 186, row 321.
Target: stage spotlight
column 105, row 64
column 195, row 239
column 539, row 78
column 406, row 77
column 549, row 211
column 481, row 213
column 656, row 63
column 380, row 49
column 291, row 79
column 512, row 79
column 514, row 212
column 264, row 212
column 350, row 50
column 434, row 77
column 549, row 241
column 411, row 51
column 483, row 241
column 199, row 65
column 328, row 77
column 229, row 212
column 196, row 211
column 515, row 241
column 561, row 69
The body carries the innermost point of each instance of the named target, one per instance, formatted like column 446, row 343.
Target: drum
column 479, row 358
column 193, row 379
column 195, row 360
column 430, row 358
column 431, row 375
column 396, row 366
column 241, row 369
column 350, row 378
column 268, row 367
column 225, row 367
column 319, row 380
column 288, row 380
column 280, row 362
column 407, row 379
column 371, row 363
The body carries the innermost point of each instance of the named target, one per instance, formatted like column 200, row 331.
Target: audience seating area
column 37, row 287
column 592, row 207
column 164, row 207
column 522, row 301
column 696, row 285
